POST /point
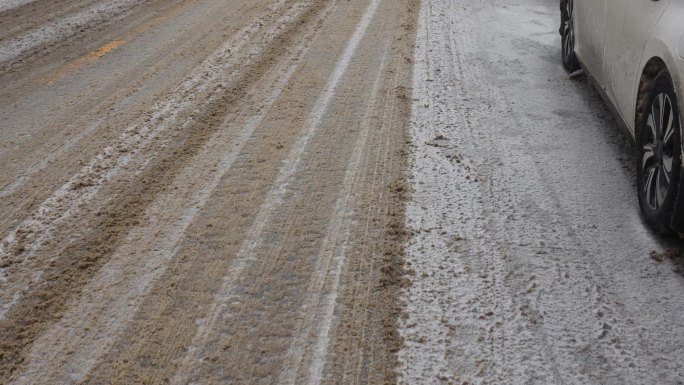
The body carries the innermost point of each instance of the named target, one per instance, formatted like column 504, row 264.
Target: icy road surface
column 530, row 264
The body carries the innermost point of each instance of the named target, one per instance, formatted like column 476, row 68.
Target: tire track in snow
column 21, row 245
column 319, row 307
column 377, row 179
column 68, row 275
column 245, row 257
column 113, row 297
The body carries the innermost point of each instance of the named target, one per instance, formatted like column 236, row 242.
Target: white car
column 633, row 52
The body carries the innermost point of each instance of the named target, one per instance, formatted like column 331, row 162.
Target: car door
column 629, row 23
column 589, row 22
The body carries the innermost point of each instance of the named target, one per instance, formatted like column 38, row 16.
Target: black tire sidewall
column 660, row 220
column 570, row 62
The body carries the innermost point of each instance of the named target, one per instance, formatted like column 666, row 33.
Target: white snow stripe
column 6, row 5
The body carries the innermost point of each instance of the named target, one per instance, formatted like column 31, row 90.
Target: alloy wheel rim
column 658, row 151
column 568, row 33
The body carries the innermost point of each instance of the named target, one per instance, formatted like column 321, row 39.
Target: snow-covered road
column 213, row 192
column 530, row 263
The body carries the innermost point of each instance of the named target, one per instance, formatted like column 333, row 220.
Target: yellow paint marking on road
column 85, row 59
column 104, row 49
column 114, row 44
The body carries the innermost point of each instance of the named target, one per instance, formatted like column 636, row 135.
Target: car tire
column 659, row 160
column 567, row 32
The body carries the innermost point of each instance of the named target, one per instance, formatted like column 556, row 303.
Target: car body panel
column 629, row 24
column 589, row 20
column 609, row 102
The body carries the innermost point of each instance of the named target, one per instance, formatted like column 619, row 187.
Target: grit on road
column 317, row 192
column 203, row 191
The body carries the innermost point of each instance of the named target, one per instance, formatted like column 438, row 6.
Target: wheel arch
column 651, row 69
